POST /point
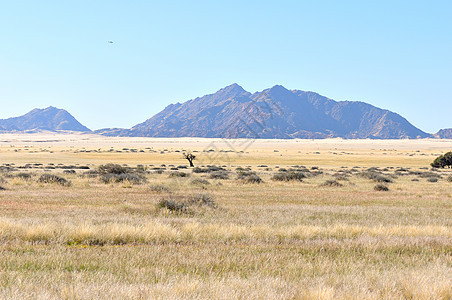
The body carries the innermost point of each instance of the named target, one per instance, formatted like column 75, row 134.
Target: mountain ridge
column 233, row 112
column 445, row 133
column 275, row 112
column 50, row 118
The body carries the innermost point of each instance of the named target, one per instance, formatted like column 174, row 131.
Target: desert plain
column 90, row 217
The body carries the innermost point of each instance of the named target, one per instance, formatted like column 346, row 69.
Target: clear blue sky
column 393, row 54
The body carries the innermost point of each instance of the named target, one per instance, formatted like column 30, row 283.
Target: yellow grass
column 158, row 233
column 274, row 240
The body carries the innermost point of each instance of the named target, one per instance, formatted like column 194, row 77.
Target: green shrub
column 432, row 179
column 443, row 161
column 449, row 179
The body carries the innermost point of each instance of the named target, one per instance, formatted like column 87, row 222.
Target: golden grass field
column 273, row 240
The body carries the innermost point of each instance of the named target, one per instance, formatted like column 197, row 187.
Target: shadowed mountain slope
column 277, row 112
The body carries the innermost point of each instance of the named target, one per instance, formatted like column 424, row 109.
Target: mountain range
column 233, row 112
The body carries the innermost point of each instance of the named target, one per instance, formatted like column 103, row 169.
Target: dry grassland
column 153, row 235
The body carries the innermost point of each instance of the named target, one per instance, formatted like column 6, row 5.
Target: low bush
column 382, row 178
column 341, row 176
column 375, row 176
column 427, row 174
column 208, row 169
column 111, row 169
column 200, row 181
column 179, row 174
column 332, row 183
column 449, row 179
column 89, row 174
column 248, row 177
column 202, row 200
column 189, row 204
column 289, row 176
column 159, row 188
column 51, row 178
column 254, row 178
column 2, row 188
column 115, row 178
column 432, row 179
column 69, row 172
column 24, row 175
column 172, row 204
column 381, row 187
column 219, row 175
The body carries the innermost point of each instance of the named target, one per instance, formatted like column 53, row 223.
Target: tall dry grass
column 273, row 240
column 194, row 232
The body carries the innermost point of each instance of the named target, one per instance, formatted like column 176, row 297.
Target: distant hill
column 50, row 118
column 444, row 133
column 277, row 112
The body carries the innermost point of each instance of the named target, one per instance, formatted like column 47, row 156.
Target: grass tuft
column 52, row 178
column 200, row 181
column 381, row 187
column 289, row 176
column 179, row 174
column 159, row 188
column 332, row 183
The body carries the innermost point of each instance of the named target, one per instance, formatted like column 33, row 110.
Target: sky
column 395, row 55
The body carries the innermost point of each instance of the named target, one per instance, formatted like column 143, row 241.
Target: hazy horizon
column 395, row 56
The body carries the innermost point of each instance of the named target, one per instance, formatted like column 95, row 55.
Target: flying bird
column 110, row 42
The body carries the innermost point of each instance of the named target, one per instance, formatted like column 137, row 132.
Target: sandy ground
column 88, row 148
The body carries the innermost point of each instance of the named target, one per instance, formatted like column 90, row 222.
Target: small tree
column 190, row 157
column 443, row 161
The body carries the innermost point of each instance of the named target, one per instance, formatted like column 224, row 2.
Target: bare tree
column 190, row 157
